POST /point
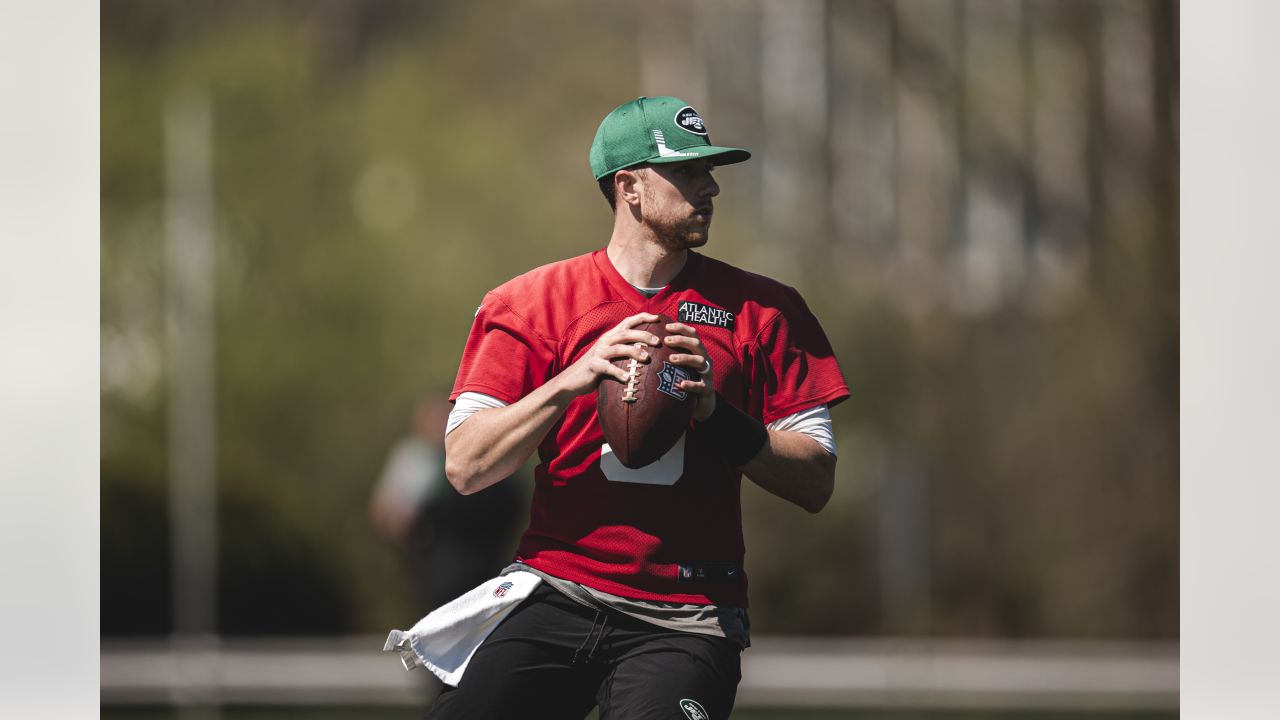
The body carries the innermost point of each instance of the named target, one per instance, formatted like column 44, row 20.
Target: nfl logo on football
column 669, row 376
column 502, row 589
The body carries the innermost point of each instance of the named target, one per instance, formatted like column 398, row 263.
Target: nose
column 710, row 188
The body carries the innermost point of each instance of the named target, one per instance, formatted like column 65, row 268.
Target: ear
column 626, row 187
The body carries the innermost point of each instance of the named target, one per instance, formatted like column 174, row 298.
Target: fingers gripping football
column 644, row 413
column 621, row 341
column 693, row 355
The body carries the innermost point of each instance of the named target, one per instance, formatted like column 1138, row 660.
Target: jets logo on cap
column 689, row 120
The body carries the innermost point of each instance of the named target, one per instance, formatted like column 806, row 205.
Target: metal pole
column 793, row 90
column 192, row 438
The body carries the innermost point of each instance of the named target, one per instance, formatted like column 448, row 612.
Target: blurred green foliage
column 378, row 166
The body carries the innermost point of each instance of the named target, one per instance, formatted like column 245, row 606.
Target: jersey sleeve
column 504, row 357
column 792, row 365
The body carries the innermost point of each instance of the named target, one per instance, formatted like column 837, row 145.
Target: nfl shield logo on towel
column 502, row 589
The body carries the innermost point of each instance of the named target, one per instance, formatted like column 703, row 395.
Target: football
column 643, row 417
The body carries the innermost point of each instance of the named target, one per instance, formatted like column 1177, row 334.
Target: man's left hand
column 693, row 355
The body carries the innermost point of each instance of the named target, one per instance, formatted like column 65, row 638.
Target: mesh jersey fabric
column 771, row 359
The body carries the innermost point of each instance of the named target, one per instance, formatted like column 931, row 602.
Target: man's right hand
column 621, row 341
column 493, row 443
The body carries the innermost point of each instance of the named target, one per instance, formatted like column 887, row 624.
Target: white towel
column 448, row 636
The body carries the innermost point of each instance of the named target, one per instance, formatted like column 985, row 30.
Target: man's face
column 676, row 202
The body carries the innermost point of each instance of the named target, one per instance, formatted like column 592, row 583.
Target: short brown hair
column 610, row 194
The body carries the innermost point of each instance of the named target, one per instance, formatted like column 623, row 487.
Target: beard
column 677, row 233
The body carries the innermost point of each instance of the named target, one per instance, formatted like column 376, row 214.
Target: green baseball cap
column 655, row 130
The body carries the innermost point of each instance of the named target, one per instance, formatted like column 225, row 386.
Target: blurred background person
column 449, row 543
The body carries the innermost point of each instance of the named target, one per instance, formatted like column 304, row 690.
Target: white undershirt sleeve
column 814, row 422
column 467, row 404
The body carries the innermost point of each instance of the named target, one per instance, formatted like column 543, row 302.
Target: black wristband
column 736, row 436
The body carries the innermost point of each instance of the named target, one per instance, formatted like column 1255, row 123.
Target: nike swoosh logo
column 663, row 151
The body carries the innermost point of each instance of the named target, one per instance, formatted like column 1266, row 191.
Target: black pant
column 555, row 658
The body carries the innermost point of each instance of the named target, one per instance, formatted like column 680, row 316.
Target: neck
column 641, row 261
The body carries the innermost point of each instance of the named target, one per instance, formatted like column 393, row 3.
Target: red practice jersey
column 672, row 531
